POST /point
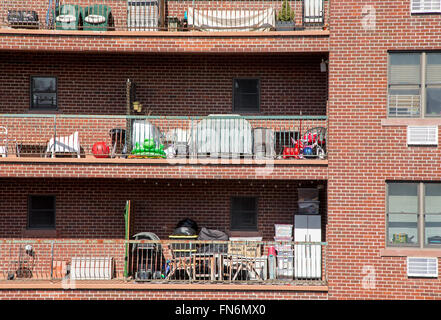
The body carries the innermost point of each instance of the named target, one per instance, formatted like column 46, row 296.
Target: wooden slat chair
column 177, row 263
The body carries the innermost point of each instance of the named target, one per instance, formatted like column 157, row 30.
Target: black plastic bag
column 188, row 223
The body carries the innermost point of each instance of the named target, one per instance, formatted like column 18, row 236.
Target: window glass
column 432, row 216
column 432, row 229
column 405, row 68
column 43, row 84
column 246, row 93
column 432, row 198
column 433, row 68
column 403, row 198
column 433, row 100
column 433, row 84
column 404, row 85
column 403, row 228
column 41, row 212
column 44, row 92
column 403, row 213
column 244, row 213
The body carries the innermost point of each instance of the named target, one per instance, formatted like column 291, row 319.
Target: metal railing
column 163, row 261
column 171, row 15
column 164, row 137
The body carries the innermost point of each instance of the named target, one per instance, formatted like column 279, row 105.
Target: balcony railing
column 163, row 15
column 165, row 261
column 164, row 137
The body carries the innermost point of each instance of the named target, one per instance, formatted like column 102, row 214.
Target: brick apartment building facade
column 366, row 71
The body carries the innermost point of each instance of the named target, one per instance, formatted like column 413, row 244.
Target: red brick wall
column 358, row 169
column 156, row 295
column 94, row 208
column 167, row 84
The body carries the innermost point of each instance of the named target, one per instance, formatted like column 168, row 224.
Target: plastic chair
column 66, row 144
column 68, row 17
column 98, row 18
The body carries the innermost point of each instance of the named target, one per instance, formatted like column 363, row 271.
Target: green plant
column 286, row 14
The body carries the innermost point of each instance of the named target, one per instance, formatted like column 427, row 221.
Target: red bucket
column 271, row 251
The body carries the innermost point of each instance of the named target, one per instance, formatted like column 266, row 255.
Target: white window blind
column 433, row 68
column 405, row 68
column 422, row 6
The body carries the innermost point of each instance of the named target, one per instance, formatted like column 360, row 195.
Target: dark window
column 244, row 213
column 41, row 212
column 246, row 95
column 43, row 93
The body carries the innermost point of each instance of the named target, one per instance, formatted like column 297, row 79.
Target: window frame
column 418, row 243
column 396, row 86
column 423, row 217
column 423, row 85
column 421, row 214
column 232, row 211
column 31, row 93
column 30, row 211
column 258, row 96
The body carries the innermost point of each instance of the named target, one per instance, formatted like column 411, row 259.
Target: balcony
column 172, row 26
column 156, row 146
column 166, row 141
column 175, row 264
column 166, row 15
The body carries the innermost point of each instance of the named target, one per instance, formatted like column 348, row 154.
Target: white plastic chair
column 66, row 144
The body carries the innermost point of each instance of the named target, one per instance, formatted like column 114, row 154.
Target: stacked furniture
column 307, row 229
column 285, row 253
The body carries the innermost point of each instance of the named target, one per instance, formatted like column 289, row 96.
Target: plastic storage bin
column 285, row 267
column 283, row 230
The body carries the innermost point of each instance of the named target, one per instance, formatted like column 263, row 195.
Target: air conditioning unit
column 427, row 135
column 91, row 268
column 422, row 267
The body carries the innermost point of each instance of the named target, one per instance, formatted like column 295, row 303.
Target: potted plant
column 285, row 20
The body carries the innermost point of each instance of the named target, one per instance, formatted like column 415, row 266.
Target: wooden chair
column 242, row 257
column 177, row 263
